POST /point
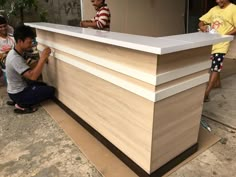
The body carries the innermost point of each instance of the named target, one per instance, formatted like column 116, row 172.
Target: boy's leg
column 218, row 83
column 211, row 84
column 216, row 67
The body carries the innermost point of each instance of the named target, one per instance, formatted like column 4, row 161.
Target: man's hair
column 22, row 32
column 2, row 20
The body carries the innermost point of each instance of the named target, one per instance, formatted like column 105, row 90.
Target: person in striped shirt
column 102, row 19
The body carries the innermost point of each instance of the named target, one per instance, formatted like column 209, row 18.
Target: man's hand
column 81, row 24
column 86, row 23
column 35, row 72
column 45, row 54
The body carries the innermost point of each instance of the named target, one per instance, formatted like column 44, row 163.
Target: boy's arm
column 203, row 26
column 232, row 32
column 205, row 20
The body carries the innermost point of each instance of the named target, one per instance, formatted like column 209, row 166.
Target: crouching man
column 26, row 94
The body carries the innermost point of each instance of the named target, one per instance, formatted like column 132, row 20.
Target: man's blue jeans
column 34, row 94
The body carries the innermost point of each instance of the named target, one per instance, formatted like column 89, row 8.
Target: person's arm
column 103, row 18
column 205, row 20
column 232, row 32
column 34, row 73
column 100, row 21
column 88, row 23
column 203, row 26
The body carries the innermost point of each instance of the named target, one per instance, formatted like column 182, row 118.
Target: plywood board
column 104, row 160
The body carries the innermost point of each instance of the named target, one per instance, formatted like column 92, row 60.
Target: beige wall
column 232, row 52
column 143, row 17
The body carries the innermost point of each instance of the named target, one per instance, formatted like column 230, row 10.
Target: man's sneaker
column 25, row 110
column 11, row 103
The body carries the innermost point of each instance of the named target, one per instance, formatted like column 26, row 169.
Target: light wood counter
column 143, row 94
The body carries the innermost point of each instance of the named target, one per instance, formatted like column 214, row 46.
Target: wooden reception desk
column 143, row 94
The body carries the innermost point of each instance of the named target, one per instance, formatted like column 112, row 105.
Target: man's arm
column 88, row 23
column 34, row 73
column 100, row 21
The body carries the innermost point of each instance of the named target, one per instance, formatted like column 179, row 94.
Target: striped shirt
column 102, row 18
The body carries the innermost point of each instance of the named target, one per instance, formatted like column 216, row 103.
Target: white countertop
column 155, row 45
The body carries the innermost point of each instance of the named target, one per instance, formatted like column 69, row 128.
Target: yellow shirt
column 222, row 21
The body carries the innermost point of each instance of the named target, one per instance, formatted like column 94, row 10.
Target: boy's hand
column 204, row 28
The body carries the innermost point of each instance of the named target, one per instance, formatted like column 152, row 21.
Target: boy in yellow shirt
column 220, row 19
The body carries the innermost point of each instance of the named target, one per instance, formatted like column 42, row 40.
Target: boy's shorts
column 217, row 61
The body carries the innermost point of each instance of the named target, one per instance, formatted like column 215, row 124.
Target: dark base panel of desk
column 132, row 165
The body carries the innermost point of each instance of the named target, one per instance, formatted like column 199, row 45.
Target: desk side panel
column 176, row 125
column 183, row 59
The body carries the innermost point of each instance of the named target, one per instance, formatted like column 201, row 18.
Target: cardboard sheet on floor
column 104, row 160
